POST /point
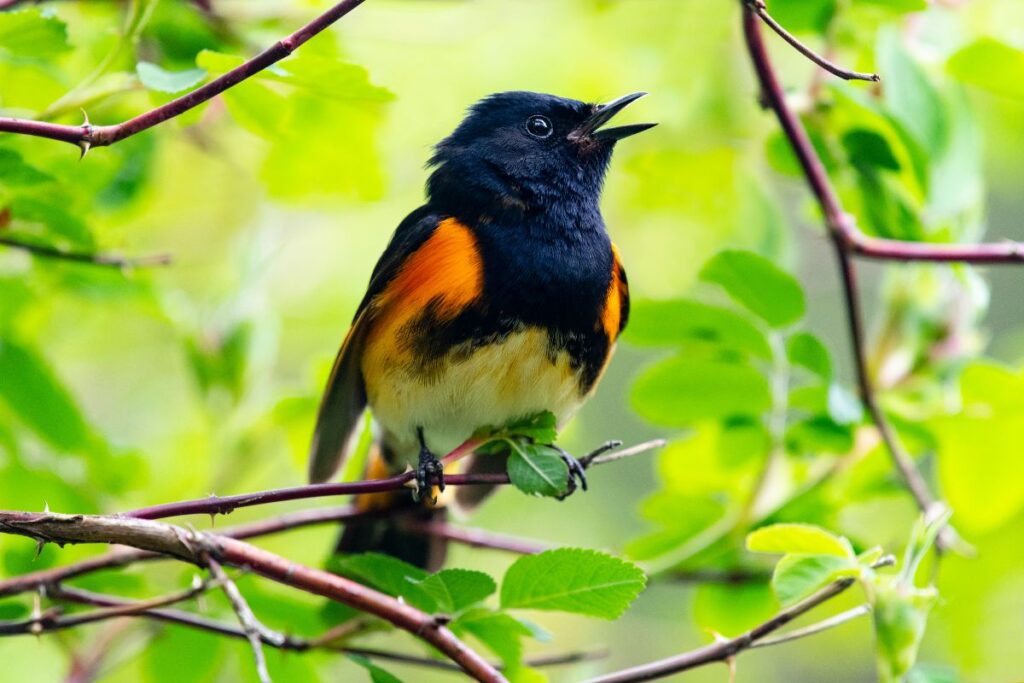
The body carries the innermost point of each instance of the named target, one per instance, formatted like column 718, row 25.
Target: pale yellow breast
column 491, row 385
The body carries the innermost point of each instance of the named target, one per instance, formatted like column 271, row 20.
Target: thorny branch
column 87, row 135
column 195, row 548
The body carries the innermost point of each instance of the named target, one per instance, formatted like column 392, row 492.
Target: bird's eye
column 539, row 126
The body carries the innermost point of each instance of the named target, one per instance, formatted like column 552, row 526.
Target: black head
column 520, row 152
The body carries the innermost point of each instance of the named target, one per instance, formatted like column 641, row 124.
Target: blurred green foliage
column 119, row 389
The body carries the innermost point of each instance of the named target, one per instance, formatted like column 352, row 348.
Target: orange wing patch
column 612, row 318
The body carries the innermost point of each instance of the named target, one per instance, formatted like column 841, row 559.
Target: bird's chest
column 471, row 386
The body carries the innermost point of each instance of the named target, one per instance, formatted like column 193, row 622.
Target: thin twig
column 255, row 632
column 839, row 227
column 55, row 621
column 761, row 9
column 725, row 649
column 293, row 643
column 94, row 259
column 823, row 625
column 87, row 136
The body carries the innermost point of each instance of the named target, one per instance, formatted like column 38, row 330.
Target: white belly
column 495, row 384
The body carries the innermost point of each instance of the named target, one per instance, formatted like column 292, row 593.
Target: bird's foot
column 577, row 473
column 429, row 473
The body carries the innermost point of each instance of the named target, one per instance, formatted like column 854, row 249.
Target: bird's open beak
column 603, row 114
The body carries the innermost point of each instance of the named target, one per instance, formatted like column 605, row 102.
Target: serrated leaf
column 156, row 78
column 797, row 538
column 537, row 470
column 377, row 674
column 456, row 589
column 31, row 33
column 806, row 350
column 797, row 576
column 758, row 284
column 572, row 580
column 681, row 391
column 681, row 321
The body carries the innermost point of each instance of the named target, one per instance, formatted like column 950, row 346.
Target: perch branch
column 87, row 135
column 254, row 631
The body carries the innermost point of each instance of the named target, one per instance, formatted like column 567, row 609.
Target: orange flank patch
column 376, row 468
column 445, row 272
column 611, row 317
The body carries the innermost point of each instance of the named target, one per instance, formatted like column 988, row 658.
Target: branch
column 254, row 631
column 87, row 136
column 761, row 9
column 107, row 260
column 192, row 547
column 221, row 505
column 292, row 643
column 724, row 650
column 841, row 230
column 477, row 538
column 53, row 620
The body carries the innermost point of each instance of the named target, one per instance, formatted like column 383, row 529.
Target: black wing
column 344, row 399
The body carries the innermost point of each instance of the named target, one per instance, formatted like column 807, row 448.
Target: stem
column 87, row 136
column 842, row 232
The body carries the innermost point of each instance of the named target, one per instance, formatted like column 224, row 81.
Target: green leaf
column 797, row 538
column 804, row 15
column 539, row 427
column 818, row 434
column 377, row 674
column 537, row 470
column 453, row 590
column 34, row 394
column 55, row 217
column 17, row 173
column 156, row 78
column 572, row 580
column 979, row 449
column 388, row 575
column 797, row 576
column 681, row 391
column 31, row 33
column 909, row 95
column 730, row 609
column 990, row 65
column 758, row 284
column 806, row 350
column 900, row 614
column 868, row 149
column 681, row 321
column 502, row 634
column 896, row 6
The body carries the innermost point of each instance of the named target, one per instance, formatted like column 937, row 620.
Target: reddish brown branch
column 87, row 136
column 842, row 231
column 193, row 547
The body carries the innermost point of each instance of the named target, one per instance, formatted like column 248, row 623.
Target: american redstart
column 499, row 298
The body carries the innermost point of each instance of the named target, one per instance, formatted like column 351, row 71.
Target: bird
column 501, row 297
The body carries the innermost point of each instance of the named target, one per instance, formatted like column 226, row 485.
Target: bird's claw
column 429, row 473
column 577, row 473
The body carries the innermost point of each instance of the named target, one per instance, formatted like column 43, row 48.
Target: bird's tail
column 397, row 530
